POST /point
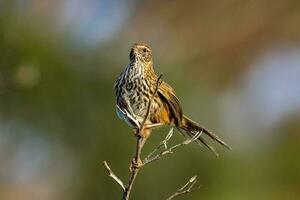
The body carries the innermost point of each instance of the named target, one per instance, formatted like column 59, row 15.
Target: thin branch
column 163, row 145
column 189, row 187
column 134, row 168
column 113, row 176
column 137, row 162
column 158, row 82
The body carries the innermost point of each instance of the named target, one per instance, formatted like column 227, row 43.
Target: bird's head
column 141, row 52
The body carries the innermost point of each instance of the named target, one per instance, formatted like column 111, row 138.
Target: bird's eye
column 144, row 50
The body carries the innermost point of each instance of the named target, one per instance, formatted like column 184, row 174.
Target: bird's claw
column 136, row 164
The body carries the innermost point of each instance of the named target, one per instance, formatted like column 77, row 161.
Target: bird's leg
column 144, row 134
column 137, row 161
column 135, row 164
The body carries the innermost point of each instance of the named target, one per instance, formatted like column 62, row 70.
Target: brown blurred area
column 220, row 37
column 234, row 64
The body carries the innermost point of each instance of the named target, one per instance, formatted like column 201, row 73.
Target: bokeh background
column 234, row 64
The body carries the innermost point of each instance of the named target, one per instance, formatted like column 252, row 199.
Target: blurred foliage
column 59, row 90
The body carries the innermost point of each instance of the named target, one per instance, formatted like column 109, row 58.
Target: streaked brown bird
column 137, row 85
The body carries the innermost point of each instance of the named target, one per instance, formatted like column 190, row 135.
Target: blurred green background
column 234, row 64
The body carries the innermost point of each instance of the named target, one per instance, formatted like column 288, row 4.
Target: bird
column 143, row 99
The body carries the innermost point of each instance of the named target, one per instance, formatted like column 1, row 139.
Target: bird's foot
column 136, row 164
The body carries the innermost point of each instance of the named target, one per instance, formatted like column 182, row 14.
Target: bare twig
column 137, row 163
column 158, row 82
column 163, row 145
column 134, row 168
column 186, row 188
column 113, row 176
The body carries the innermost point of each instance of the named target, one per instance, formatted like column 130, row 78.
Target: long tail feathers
column 191, row 128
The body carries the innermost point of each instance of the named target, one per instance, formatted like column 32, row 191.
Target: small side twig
column 186, row 188
column 113, row 176
column 162, row 145
column 164, row 150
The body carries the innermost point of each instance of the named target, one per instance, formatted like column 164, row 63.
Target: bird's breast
column 138, row 94
column 136, row 89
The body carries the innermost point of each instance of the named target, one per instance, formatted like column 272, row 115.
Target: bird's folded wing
column 167, row 95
